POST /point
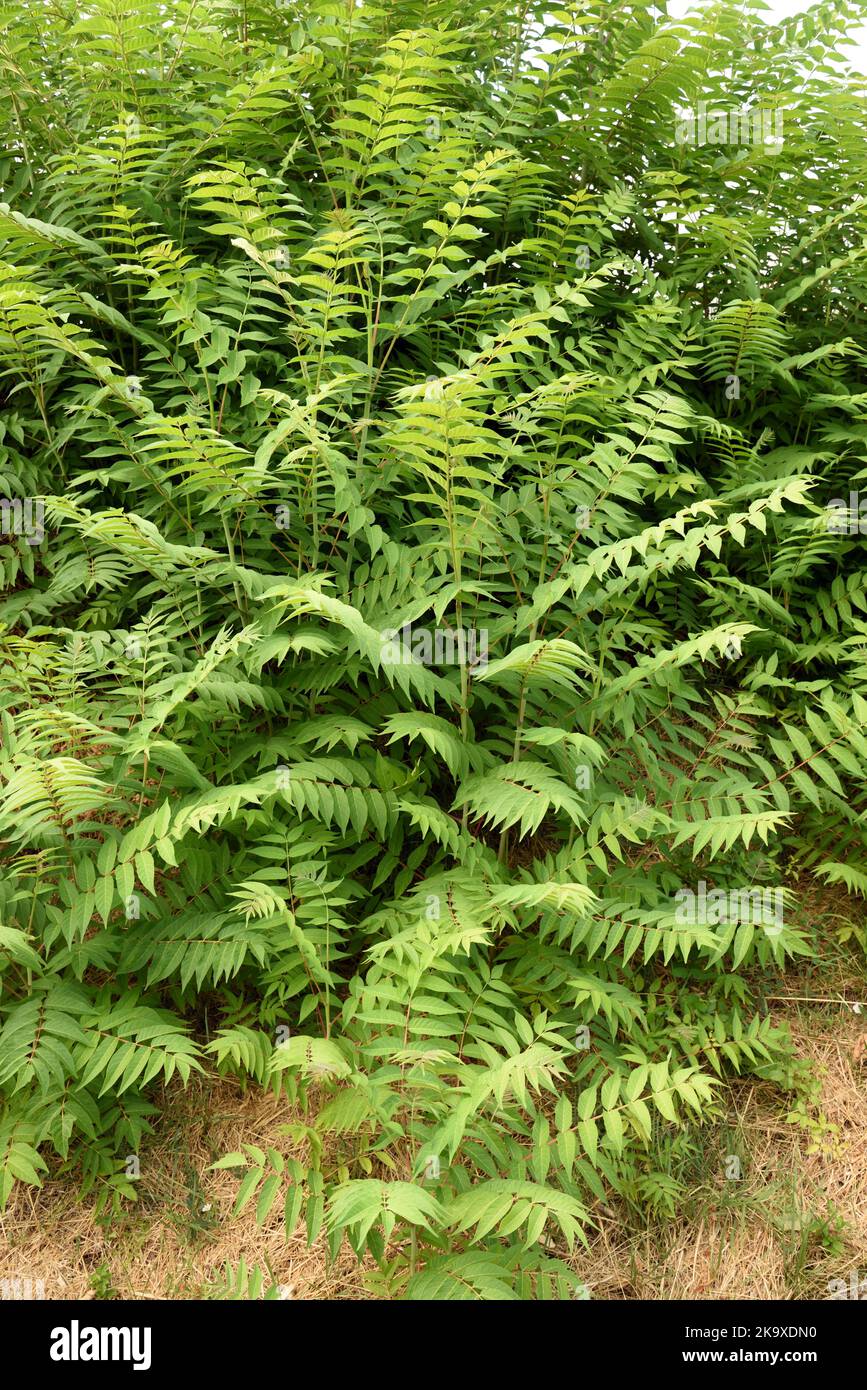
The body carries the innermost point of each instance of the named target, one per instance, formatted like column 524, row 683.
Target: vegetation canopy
column 434, row 611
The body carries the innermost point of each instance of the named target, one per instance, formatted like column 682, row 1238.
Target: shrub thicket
column 429, row 663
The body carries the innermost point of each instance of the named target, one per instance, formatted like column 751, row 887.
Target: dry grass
column 798, row 1216
column 761, row 1237
column 180, row 1235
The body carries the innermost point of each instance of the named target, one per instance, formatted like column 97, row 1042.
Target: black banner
column 238, row 1338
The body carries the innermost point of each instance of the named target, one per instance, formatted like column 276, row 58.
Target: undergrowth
column 430, row 666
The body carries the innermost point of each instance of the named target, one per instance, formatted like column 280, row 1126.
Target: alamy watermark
column 855, row 1287
column 847, row 519
column 21, row 1290
column 77, row 1343
column 700, row 907
column 581, row 522
column 738, row 126
column 444, row 646
column 23, row 516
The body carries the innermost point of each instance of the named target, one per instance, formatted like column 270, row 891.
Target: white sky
column 778, row 10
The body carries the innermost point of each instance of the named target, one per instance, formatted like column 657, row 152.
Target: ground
column 792, row 1222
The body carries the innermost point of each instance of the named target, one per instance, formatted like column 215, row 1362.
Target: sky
column 778, row 10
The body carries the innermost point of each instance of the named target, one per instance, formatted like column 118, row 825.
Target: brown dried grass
column 168, row 1247
column 760, row 1241
column 765, row 1240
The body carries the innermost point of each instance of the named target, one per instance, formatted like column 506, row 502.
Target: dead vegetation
column 794, row 1220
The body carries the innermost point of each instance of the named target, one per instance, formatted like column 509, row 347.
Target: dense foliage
column 417, row 581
